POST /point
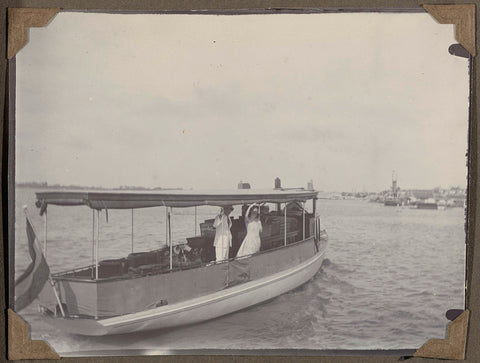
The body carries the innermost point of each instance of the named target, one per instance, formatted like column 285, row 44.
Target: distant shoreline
column 438, row 193
column 80, row 187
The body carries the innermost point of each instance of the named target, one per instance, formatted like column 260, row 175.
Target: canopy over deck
column 172, row 198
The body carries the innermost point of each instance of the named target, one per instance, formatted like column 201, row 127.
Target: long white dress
column 251, row 242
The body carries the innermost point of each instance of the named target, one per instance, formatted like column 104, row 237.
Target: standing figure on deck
column 223, row 236
column 251, row 243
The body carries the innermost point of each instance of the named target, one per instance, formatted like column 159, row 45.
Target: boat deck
column 277, row 230
column 151, row 263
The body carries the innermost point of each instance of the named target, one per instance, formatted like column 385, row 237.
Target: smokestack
column 278, row 183
column 243, row 185
column 310, row 185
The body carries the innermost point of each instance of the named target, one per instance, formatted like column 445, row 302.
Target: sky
column 206, row 101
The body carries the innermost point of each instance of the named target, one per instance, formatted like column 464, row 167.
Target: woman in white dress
column 251, row 243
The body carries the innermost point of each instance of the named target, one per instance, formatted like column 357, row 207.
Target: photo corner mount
column 453, row 346
column 19, row 344
column 20, row 20
column 462, row 16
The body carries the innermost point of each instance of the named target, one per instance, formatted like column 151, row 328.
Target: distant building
column 421, row 193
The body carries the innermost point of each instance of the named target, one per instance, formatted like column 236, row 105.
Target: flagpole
column 56, row 295
column 49, row 274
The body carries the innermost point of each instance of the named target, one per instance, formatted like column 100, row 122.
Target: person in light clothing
column 223, row 235
column 251, row 243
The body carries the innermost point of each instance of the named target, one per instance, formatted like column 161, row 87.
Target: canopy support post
column 303, row 213
column 318, row 228
column 45, row 220
column 132, row 230
column 285, row 221
column 195, row 221
column 166, row 225
column 93, row 241
column 96, row 245
column 170, row 239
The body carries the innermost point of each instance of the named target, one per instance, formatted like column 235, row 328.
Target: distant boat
column 441, row 204
column 392, row 199
column 456, row 203
column 429, row 203
column 392, row 202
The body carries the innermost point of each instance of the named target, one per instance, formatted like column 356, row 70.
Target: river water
column 389, row 276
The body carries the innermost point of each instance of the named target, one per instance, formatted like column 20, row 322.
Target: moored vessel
column 392, row 198
column 429, row 203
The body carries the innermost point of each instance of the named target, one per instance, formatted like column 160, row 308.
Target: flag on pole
column 29, row 285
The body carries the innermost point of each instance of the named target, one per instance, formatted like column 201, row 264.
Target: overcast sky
column 205, row 101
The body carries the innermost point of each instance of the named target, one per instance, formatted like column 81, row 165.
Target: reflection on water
column 389, row 277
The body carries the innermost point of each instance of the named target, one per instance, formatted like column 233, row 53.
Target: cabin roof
column 172, row 198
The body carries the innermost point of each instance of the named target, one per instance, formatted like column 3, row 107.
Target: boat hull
column 427, row 206
column 202, row 308
column 392, row 203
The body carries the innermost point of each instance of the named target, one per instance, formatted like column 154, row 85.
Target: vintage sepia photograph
column 239, row 183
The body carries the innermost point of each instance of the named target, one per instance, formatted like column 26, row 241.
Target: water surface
column 389, row 276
